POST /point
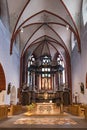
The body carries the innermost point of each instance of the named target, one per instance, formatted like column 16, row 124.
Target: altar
column 45, row 108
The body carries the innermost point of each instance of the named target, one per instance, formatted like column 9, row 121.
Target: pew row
column 3, row 112
column 77, row 110
column 15, row 109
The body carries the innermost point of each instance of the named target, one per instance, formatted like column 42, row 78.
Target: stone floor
column 30, row 122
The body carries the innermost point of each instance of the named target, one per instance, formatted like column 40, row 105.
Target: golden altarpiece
column 45, row 79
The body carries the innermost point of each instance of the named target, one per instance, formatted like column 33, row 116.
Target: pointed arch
column 2, row 79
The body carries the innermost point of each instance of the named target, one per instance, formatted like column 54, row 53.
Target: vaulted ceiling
column 47, row 25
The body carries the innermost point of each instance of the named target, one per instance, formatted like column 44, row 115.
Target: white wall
column 79, row 67
column 10, row 64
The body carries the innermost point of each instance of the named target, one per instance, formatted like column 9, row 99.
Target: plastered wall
column 10, row 64
column 79, row 67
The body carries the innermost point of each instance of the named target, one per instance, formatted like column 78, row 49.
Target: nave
column 43, row 115
column 22, row 121
column 43, row 63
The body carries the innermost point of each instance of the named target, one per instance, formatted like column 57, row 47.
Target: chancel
column 44, row 70
column 43, row 63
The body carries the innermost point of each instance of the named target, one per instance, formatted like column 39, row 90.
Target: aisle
column 22, row 121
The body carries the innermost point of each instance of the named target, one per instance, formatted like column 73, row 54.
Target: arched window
column 61, row 62
column 84, row 12
column 4, row 14
column 73, row 41
column 30, row 62
column 45, row 69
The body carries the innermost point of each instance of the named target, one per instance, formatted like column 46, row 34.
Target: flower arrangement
column 31, row 107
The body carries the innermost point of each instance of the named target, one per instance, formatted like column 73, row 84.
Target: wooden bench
column 14, row 109
column 86, row 112
column 77, row 110
column 3, row 112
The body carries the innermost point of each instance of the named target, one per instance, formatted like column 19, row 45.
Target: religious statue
column 46, row 95
column 76, row 97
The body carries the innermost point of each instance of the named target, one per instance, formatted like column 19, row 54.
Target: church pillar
column 55, row 82
column 52, row 82
column 34, row 80
column 39, row 82
column 61, row 78
column 58, row 82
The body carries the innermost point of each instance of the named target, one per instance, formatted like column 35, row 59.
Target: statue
column 46, row 95
column 76, row 97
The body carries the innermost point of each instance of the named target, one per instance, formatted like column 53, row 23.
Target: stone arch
column 13, row 95
column 2, row 79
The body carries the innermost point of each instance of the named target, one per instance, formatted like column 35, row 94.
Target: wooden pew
column 14, row 109
column 3, row 112
column 86, row 112
column 76, row 110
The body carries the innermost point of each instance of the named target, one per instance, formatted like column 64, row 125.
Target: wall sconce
column 67, row 27
column 22, row 30
column 9, row 88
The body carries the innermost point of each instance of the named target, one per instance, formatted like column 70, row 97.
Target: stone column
column 61, row 104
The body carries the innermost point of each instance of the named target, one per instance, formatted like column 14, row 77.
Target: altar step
column 55, row 112
column 48, row 114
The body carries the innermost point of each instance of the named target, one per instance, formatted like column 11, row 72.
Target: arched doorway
column 2, row 79
column 13, row 95
column 66, row 98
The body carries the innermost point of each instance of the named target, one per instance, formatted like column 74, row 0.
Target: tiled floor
column 22, row 121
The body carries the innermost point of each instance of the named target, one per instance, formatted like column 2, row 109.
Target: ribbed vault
column 54, row 19
column 42, row 28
